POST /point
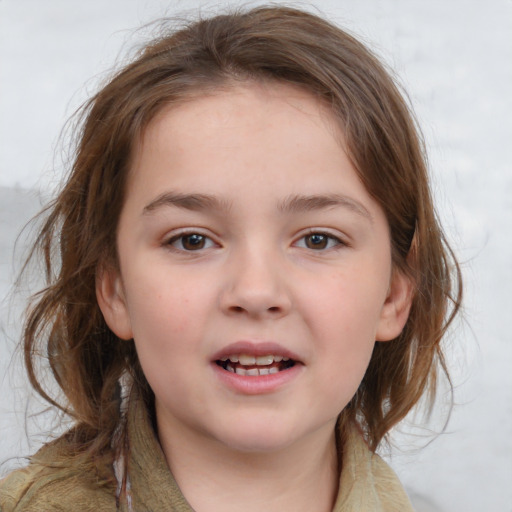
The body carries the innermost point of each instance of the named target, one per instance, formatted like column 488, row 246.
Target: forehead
column 261, row 103
column 268, row 137
column 206, row 120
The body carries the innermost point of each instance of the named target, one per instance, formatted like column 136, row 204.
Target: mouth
column 254, row 366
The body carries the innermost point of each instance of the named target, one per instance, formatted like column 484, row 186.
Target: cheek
column 159, row 319
column 164, row 337
column 166, row 307
column 349, row 304
column 343, row 319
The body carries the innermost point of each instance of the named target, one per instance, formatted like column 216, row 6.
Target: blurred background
column 455, row 60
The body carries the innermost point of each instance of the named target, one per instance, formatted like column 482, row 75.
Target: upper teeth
column 247, row 360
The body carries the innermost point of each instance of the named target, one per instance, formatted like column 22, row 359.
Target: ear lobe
column 111, row 300
column 395, row 310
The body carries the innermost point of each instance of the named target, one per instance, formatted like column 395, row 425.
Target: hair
column 78, row 237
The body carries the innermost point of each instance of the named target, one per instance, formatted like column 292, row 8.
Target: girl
column 247, row 284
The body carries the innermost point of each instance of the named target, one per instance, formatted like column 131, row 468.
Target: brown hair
column 271, row 44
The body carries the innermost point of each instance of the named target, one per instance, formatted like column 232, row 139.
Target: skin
column 257, row 274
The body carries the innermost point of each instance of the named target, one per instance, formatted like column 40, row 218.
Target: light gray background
column 455, row 59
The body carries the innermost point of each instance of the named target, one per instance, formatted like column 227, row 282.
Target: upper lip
column 260, row 348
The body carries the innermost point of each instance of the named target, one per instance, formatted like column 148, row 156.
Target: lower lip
column 257, row 384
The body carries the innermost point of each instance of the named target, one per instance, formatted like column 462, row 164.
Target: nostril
column 240, row 309
column 254, row 301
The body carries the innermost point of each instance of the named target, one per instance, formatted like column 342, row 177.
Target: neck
column 298, row 478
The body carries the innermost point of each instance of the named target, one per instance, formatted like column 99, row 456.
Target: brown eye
column 318, row 241
column 191, row 242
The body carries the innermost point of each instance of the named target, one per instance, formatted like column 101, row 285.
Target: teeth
column 245, row 359
column 252, row 366
column 264, row 360
column 253, row 372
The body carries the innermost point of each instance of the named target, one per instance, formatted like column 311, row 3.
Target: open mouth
column 254, row 366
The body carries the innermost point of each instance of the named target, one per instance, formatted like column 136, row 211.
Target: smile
column 254, row 366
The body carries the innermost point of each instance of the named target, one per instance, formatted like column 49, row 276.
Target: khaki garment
column 367, row 484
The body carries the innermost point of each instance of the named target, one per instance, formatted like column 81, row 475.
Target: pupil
column 193, row 242
column 317, row 241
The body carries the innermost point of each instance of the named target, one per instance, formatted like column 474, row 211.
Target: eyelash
column 205, row 242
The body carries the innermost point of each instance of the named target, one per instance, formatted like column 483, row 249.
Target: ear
column 397, row 305
column 112, row 302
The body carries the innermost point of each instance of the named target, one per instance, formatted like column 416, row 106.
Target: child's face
column 247, row 233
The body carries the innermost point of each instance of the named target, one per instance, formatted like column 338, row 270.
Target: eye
column 190, row 242
column 318, row 241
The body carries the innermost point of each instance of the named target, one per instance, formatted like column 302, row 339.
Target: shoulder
column 388, row 487
column 367, row 482
column 51, row 483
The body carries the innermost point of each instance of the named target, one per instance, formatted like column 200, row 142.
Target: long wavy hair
column 78, row 236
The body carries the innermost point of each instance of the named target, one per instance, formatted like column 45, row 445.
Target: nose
column 256, row 286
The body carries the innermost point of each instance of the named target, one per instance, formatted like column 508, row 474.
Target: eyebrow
column 292, row 204
column 193, row 202
column 304, row 203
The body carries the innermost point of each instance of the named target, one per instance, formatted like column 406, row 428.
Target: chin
column 259, row 437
